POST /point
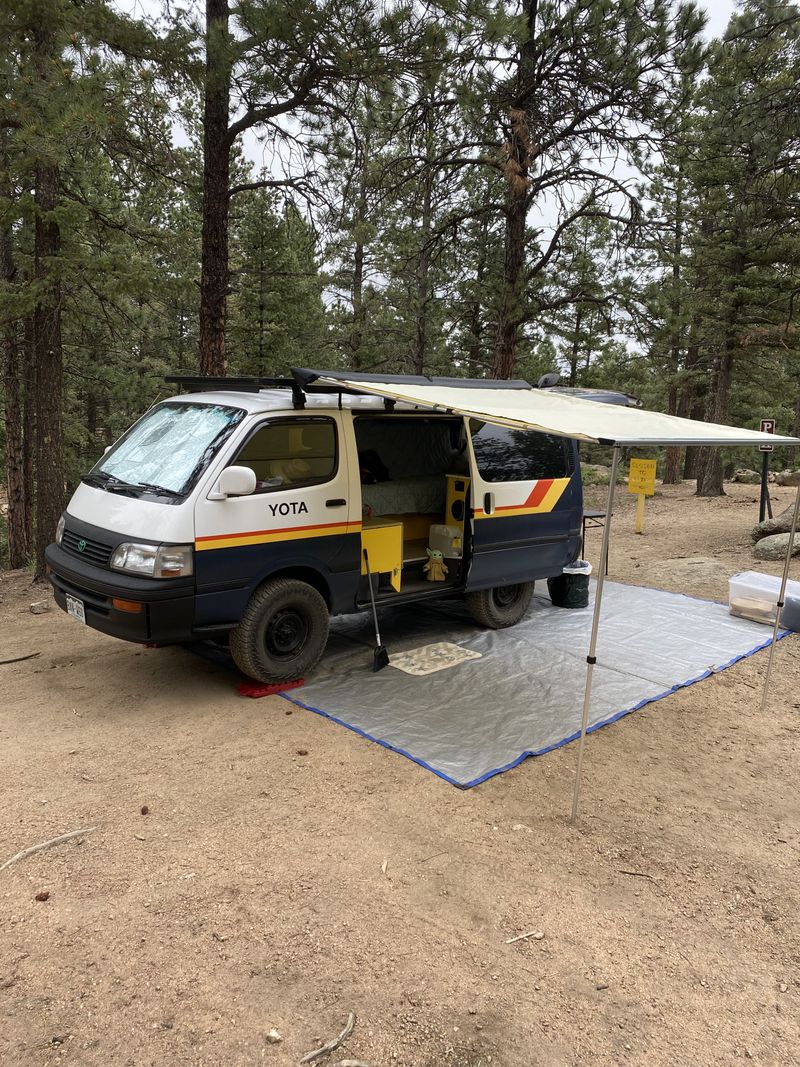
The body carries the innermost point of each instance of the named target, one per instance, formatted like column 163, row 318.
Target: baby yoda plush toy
column 435, row 568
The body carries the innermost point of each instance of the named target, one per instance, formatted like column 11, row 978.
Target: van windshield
column 167, row 450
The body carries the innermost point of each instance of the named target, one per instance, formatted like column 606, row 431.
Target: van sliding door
column 527, row 505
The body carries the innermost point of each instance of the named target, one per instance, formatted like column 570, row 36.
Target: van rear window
column 506, row 455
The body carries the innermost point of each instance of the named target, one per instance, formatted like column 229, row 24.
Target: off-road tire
column 502, row 606
column 282, row 633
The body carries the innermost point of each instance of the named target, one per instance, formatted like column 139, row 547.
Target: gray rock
column 40, row 607
column 774, row 548
column 789, row 478
column 747, row 476
column 780, row 524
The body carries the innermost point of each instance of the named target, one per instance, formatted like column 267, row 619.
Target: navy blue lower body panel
column 226, row 577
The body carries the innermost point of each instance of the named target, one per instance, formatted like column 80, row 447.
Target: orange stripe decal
column 277, row 530
column 538, row 493
column 286, row 533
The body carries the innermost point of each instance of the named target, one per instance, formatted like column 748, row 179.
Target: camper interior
column 414, row 473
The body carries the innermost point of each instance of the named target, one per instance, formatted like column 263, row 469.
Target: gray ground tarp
column 524, row 695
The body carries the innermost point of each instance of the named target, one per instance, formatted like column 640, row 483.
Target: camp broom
column 380, row 657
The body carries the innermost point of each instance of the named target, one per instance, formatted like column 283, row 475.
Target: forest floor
column 288, row 872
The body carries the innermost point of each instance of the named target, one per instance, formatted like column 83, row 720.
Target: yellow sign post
column 642, row 481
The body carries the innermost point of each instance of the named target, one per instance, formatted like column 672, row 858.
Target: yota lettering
column 293, row 508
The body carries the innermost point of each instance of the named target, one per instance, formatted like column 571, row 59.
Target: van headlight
column 60, row 529
column 155, row 561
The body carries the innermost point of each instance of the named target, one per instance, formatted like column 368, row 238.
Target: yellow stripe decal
column 263, row 537
column 546, row 503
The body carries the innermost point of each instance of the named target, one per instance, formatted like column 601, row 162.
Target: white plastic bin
column 449, row 540
column 752, row 595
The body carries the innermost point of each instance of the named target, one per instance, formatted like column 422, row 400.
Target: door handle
column 488, row 503
column 338, row 503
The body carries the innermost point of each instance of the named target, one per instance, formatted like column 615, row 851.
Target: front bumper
column 168, row 605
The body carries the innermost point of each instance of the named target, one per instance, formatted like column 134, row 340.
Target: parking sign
column 767, row 426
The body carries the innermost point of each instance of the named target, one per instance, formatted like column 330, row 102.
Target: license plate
column 75, row 608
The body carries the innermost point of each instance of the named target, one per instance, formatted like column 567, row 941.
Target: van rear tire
column 282, row 633
column 501, row 606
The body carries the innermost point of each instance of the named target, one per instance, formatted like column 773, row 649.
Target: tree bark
column 692, row 401
column 709, row 460
column 29, row 437
column 423, row 294
column 16, row 490
column 672, row 457
column 672, row 464
column 576, row 347
column 49, row 374
column 357, row 287
column 519, row 157
column 216, row 187
column 512, row 296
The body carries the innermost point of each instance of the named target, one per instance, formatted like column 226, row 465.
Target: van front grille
column 86, row 547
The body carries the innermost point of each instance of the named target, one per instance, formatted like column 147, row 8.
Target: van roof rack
column 199, row 383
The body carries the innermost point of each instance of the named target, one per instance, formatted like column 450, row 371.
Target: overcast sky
column 719, row 11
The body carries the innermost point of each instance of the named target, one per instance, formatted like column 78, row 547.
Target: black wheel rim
column 505, row 595
column 286, row 633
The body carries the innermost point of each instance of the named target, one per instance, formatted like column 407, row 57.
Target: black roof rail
column 307, row 375
column 199, row 383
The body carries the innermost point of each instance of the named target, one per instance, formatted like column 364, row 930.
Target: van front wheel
column 502, row 606
column 282, row 633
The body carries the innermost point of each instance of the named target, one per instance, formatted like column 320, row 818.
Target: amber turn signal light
column 131, row 606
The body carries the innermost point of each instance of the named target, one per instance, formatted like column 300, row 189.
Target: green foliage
column 376, row 235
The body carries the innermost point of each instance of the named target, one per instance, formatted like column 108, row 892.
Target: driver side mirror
column 234, row 481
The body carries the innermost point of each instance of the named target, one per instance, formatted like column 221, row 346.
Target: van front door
column 527, row 505
column 302, row 518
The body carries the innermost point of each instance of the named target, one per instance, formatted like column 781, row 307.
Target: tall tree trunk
column 512, row 298
column 672, row 464
column 519, row 157
column 423, row 294
column 672, row 456
column 692, row 401
column 49, row 373
column 709, row 461
column 576, row 347
column 476, row 355
column 357, row 286
column 16, row 489
column 29, row 438
column 216, row 188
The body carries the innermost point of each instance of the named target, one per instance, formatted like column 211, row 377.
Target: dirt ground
column 288, row 872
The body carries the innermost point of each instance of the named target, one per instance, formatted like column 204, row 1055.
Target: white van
column 251, row 510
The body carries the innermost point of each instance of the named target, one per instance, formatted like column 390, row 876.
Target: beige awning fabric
column 551, row 412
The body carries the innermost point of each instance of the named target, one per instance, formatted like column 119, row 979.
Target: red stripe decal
column 538, row 493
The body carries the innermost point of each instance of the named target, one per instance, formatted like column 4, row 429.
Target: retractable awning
column 518, row 405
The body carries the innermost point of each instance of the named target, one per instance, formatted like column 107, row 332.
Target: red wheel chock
column 258, row 689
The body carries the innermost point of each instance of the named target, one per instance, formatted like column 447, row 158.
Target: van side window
column 290, row 453
column 506, row 455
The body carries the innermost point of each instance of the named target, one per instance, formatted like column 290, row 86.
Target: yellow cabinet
column 456, row 507
column 384, row 544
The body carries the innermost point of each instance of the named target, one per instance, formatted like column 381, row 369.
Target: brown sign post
column 765, row 504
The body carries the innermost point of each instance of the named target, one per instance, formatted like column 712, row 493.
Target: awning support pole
column 781, row 595
column 591, row 659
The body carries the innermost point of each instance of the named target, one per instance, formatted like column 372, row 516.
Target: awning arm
column 781, row 596
column 591, row 658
